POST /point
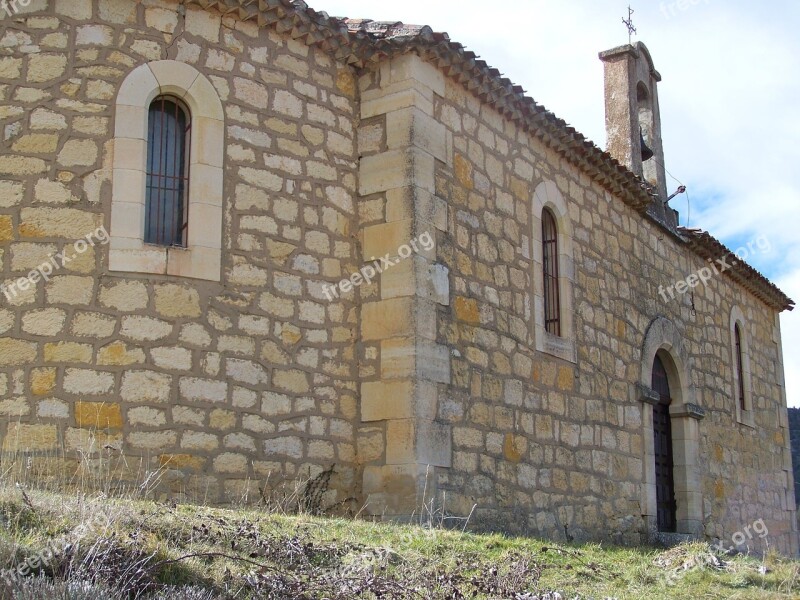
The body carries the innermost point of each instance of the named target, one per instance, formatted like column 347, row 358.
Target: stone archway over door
column 663, row 341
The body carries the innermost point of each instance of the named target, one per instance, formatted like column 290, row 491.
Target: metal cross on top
column 629, row 23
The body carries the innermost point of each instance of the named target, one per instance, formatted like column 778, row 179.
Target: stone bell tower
column 633, row 120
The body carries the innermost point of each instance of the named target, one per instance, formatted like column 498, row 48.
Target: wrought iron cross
column 629, row 23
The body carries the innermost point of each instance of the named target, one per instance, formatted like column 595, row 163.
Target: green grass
column 150, row 549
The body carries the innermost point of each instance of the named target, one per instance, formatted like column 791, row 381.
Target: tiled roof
column 362, row 42
column 708, row 247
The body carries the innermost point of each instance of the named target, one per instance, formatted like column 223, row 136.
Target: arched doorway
column 666, row 507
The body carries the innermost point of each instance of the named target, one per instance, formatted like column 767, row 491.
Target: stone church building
column 242, row 242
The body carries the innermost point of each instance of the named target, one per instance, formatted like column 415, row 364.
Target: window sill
column 560, row 347
column 134, row 256
column 745, row 419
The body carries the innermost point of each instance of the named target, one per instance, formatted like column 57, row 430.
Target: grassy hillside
column 83, row 547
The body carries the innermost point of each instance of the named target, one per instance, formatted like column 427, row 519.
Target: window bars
column 552, row 301
column 166, row 203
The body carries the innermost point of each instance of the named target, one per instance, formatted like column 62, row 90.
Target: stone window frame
column 664, row 339
column 202, row 256
column 743, row 417
column 547, row 195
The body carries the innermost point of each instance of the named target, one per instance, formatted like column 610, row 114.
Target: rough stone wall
column 554, row 447
column 224, row 385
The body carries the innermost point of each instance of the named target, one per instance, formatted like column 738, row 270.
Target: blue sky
column 729, row 98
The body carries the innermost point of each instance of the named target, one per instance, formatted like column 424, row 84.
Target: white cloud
column 728, row 101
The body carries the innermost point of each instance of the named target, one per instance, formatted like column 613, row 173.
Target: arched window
column 166, row 202
column 552, row 308
column 742, row 387
column 737, row 334
column 165, row 178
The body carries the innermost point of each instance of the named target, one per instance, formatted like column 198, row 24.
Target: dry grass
column 118, row 543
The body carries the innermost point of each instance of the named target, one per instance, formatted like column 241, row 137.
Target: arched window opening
column 166, row 202
column 666, row 507
column 737, row 334
column 552, row 304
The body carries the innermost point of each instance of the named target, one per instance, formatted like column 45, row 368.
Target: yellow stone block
column 463, row 171
column 387, row 318
column 99, row 415
column 67, row 352
column 21, row 437
column 58, row 222
column 513, row 447
column 467, row 310
column 221, row 419
column 566, row 378
column 118, row 353
column 6, row 228
column 719, row 489
column 345, row 82
column 182, row 461
column 43, row 381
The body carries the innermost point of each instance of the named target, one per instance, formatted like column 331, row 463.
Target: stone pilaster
column 400, row 400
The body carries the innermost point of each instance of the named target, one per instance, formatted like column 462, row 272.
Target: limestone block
column 88, row 382
column 382, row 400
column 36, row 143
column 21, row 165
column 203, row 390
column 80, row 10
column 70, row 289
column 145, row 386
column 147, row 416
column 291, row 380
column 393, row 317
column 11, row 193
column 92, row 324
column 203, row 23
column 68, row 352
column 44, row 322
column 177, row 301
column 412, row 127
column 195, row 334
column 21, row 437
column 240, row 441
column 26, row 256
column 46, row 67
column 155, row 440
column 14, row 407
column 58, row 222
column 384, row 171
column 289, row 446
column 52, row 408
column 230, row 462
column 386, row 238
column 199, row 440
column 144, row 328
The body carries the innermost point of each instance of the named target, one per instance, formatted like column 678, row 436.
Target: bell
column 647, row 153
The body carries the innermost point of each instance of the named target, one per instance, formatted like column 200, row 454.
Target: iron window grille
column 552, row 300
column 169, row 133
